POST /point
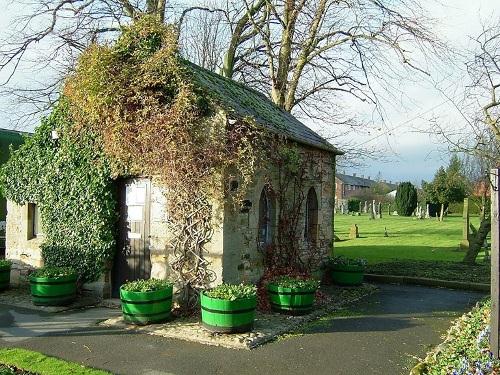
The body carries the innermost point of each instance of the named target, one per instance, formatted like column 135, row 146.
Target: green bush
column 53, row 272
column 406, row 199
column 70, row 180
column 149, row 285
column 353, row 204
column 295, row 282
column 466, row 349
column 5, row 264
column 343, row 261
column 232, row 292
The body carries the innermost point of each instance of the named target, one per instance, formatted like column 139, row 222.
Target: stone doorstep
column 21, row 298
column 267, row 327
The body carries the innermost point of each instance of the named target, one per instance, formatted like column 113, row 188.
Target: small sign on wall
column 134, row 236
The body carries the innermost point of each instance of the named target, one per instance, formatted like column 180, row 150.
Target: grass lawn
column 21, row 361
column 419, row 248
column 409, row 238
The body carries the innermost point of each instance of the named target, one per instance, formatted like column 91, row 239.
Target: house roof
column 241, row 101
column 360, row 181
column 353, row 180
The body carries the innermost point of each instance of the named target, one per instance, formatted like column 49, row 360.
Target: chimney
column 369, row 178
column 354, row 175
column 390, row 181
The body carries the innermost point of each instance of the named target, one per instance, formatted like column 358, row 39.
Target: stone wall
column 242, row 260
column 24, row 251
column 232, row 252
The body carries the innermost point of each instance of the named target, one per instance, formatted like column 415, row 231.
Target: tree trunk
column 476, row 241
column 441, row 215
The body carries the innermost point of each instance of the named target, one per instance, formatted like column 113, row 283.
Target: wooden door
column 132, row 260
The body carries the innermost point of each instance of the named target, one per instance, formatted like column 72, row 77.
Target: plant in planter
column 53, row 286
column 229, row 308
column 292, row 295
column 146, row 301
column 5, row 266
column 347, row 271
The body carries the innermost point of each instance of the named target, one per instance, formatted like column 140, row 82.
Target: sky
column 406, row 153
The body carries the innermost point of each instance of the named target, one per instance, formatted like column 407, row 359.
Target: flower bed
column 292, row 295
column 229, row 308
column 146, row 301
column 465, row 349
column 53, row 286
column 346, row 271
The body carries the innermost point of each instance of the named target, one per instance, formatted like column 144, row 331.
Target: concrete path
column 381, row 335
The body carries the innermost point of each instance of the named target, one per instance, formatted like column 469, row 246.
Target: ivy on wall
column 69, row 179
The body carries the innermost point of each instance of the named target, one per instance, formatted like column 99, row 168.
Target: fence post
column 495, row 263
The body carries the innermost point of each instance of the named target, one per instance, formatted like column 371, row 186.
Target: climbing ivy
column 69, row 179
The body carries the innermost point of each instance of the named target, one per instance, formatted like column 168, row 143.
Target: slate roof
column 360, row 181
column 242, row 101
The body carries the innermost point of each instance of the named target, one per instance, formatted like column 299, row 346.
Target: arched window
column 266, row 217
column 311, row 219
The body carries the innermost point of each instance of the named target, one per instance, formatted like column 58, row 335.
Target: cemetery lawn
column 420, row 248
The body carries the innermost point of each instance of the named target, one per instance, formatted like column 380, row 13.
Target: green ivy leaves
column 69, row 178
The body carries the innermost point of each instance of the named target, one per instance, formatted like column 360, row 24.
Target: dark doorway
column 132, row 260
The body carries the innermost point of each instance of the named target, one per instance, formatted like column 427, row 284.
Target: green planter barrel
column 4, row 277
column 53, row 291
column 146, row 307
column 220, row 315
column 294, row 301
column 347, row 274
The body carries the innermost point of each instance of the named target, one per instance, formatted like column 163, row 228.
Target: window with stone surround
column 266, row 217
column 311, row 219
column 34, row 225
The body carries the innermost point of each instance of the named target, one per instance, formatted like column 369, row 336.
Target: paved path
column 378, row 336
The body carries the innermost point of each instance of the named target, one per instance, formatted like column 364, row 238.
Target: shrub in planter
column 229, row 308
column 53, row 286
column 146, row 301
column 346, row 271
column 5, row 266
column 292, row 295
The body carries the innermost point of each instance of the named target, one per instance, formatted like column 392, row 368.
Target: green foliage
column 29, row 362
column 69, row 179
column 466, row 348
column 296, row 282
column 340, row 260
column 449, row 185
column 406, row 199
column 5, row 264
column 149, row 285
column 53, row 272
column 353, row 204
column 232, row 292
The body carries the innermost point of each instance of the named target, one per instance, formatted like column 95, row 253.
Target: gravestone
column 372, row 209
column 359, row 211
column 353, row 232
column 389, row 210
column 379, row 209
column 342, row 208
column 427, row 211
column 464, row 244
column 386, row 234
column 365, row 209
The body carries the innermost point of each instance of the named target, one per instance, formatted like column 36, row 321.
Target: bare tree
column 303, row 53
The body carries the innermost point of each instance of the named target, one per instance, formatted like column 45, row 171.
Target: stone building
column 233, row 251
column 347, row 186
